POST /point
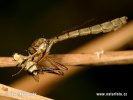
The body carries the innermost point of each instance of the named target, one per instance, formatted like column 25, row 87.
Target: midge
column 40, row 48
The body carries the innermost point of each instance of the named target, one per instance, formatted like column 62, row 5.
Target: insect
column 40, row 48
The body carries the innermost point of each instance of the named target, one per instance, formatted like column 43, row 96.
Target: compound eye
column 38, row 42
column 31, row 50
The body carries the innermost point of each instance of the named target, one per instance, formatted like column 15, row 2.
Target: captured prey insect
column 40, row 48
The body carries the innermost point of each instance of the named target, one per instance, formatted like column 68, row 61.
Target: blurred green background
column 23, row 21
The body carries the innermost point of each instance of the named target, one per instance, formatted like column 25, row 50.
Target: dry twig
column 107, row 58
column 7, row 62
column 19, row 94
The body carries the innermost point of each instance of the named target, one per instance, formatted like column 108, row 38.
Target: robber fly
column 40, row 48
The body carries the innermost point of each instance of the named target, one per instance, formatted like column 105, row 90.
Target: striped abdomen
column 104, row 27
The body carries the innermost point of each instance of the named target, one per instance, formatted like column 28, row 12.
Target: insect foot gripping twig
column 38, row 50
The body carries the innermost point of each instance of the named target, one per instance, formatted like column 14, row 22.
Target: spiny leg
column 50, row 43
column 20, row 65
column 56, row 64
column 55, row 68
column 52, row 70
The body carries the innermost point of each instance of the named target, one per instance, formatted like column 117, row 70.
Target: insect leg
column 49, row 47
column 52, row 70
column 18, row 72
column 20, row 64
column 56, row 64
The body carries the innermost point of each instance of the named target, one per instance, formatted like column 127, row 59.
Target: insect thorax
column 38, row 44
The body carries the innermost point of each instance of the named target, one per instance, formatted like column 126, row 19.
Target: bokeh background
column 23, row 21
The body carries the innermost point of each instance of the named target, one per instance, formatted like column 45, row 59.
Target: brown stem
column 7, row 62
column 19, row 94
column 94, row 58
